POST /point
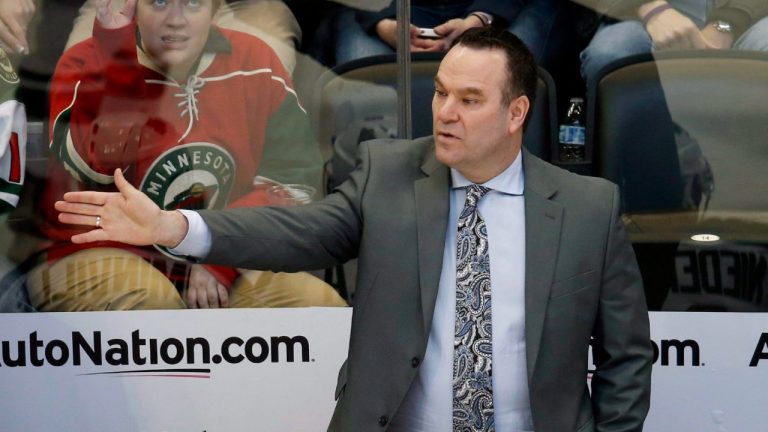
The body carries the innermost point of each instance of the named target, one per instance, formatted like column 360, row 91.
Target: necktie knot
column 474, row 193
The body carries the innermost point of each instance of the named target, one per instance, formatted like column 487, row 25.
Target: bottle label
column 573, row 135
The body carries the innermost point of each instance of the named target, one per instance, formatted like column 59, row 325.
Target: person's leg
column 352, row 41
column 755, row 38
column 100, row 279
column 613, row 41
column 652, row 147
column 535, row 26
column 266, row 289
column 269, row 20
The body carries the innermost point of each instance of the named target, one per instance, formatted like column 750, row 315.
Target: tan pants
column 269, row 20
column 115, row 279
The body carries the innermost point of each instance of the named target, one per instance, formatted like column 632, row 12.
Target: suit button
column 415, row 362
column 383, row 420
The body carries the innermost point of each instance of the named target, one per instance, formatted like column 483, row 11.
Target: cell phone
column 428, row 33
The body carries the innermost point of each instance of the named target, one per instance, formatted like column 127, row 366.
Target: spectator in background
column 674, row 24
column 269, row 20
column 361, row 33
column 192, row 113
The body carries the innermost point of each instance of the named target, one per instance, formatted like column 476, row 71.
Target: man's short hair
column 521, row 66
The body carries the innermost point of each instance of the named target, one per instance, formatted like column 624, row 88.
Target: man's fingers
column 697, row 40
column 90, row 236
column 213, row 292
column 78, row 208
column 223, row 295
column 190, row 296
column 87, row 197
column 202, row 296
column 77, row 219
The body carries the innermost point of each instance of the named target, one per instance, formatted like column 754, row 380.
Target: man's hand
column 127, row 216
column 716, row 39
column 114, row 20
column 204, row 291
column 450, row 30
column 14, row 19
column 672, row 30
column 387, row 31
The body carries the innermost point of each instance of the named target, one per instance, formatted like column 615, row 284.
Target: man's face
column 474, row 131
column 174, row 32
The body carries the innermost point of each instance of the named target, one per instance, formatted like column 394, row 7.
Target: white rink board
column 723, row 393
column 720, row 393
column 246, row 396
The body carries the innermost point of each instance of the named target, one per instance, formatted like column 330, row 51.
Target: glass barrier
column 212, row 104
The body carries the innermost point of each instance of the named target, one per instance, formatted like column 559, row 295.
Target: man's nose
column 446, row 110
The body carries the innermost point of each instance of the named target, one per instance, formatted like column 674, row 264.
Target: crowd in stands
column 138, row 93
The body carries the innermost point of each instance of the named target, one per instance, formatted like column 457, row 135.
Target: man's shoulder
column 417, row 150
column 546, row 176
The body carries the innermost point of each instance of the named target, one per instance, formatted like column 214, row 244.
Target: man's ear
column 518, row 112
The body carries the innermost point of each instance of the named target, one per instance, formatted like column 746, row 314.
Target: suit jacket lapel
column 543, row 219
column 432, row 202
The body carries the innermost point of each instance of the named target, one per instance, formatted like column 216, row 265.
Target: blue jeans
column 534, row 26
column 617, row 40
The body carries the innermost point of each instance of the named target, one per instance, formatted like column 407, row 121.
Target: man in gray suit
column 561, row 271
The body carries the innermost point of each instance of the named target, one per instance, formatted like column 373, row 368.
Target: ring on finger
column 98, row 221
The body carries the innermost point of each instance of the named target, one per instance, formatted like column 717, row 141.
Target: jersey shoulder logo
column 7, row 73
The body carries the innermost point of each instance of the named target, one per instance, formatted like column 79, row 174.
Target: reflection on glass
column 191, row 112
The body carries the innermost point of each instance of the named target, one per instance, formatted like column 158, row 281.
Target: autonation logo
column 82, row 350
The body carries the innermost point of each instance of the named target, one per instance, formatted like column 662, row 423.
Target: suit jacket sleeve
column 621, row 347
column 288, row 239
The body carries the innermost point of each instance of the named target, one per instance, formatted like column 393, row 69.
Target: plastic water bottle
column 572, row 133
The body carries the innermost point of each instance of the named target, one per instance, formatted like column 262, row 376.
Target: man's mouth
column 446, row 135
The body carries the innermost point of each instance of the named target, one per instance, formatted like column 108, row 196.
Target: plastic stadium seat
column 646, row 112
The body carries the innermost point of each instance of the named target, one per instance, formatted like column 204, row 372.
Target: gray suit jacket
column 581, row 281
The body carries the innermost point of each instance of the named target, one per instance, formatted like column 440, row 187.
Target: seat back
column 655, row 118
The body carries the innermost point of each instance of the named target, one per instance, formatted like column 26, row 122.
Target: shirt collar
column 510, row 181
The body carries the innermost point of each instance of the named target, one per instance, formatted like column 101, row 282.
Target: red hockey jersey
column 193, row 145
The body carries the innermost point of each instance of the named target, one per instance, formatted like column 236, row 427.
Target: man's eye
column 440, row 93
column 159, row 3
column 469, row 101
column 194, row 3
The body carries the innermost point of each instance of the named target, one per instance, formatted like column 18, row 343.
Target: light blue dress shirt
column 427, row 406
